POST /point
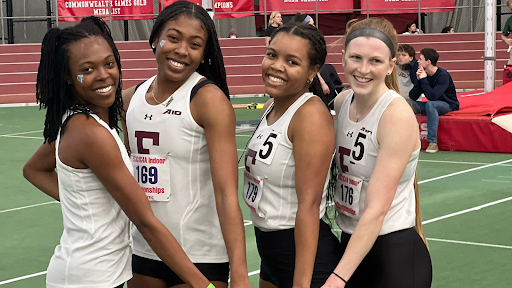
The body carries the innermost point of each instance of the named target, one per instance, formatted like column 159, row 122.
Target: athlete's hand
column 333, row 282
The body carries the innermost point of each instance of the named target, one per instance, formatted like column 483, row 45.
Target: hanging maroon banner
column 126, row 9
column 406, row 6
column 169, row 2
column 223, row 8
column 309, row 6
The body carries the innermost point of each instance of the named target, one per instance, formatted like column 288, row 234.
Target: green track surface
column 28, row 236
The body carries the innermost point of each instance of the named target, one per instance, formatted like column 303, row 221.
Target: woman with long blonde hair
column 377, row 149
column 275, row 21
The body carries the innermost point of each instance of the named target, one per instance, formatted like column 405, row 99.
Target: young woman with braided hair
column 287, row 165
column 180, row 130
column 79, row 85
column 377, row 149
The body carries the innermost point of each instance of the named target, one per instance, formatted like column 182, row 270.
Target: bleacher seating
column 460, row 53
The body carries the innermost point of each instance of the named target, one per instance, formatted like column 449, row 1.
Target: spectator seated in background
column 448, row 29
column 333, row 82
column 406, row 68
column 411, row 29
column 437, row 86
column 304, row 19
column 274, row 22
column 232, row 33
column 506, row 32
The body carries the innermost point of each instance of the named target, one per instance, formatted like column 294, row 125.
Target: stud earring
column 310, row 81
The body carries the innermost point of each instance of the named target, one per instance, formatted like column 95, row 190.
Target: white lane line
column 254, row 272
column 23, row 137
column 29, row 206
column 247, row 223
column 457, row 162
column 470, row 243
column 241, row 135
column 504, row 176
column 21, row 133
column 465, row 171
column 476, row 208
column 498, row 181
column 22, row 278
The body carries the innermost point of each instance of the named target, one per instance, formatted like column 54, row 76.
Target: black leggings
column 399, row 260
column 277, row 252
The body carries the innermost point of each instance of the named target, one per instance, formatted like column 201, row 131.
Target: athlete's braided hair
column 317, row 51
column 213, row 66
column 53, row 93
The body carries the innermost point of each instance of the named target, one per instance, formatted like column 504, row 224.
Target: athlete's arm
column 96, row 149
column 127, row 97
column 313, row 148
column 338, row 101
column 398, row 137
column 212, row 110
column 40, row 170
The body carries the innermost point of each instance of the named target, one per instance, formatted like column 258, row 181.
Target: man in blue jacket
column 437, row 86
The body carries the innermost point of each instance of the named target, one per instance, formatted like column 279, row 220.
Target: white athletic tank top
column 94, row 249
column 356, row 153
column 269, row 175
column 172, row 164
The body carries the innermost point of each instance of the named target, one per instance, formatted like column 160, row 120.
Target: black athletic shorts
column 399, row 259
column 277, row 252
column 158, row 269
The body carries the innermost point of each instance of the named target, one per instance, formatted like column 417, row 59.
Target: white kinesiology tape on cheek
column 80, row 78
column 162, row 43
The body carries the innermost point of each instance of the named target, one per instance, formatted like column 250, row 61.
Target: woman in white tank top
column 189, row 127
column 81, row 92
column 287, row 165
column 377, row 148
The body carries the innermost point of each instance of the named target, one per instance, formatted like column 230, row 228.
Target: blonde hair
column 388, row 29
column 419, row 225
column 271, row 19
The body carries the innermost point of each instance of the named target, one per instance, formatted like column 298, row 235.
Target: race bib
column 253, row 186
column 359, row 153
column 268, row 148
column 348, row 190
column 152, row 174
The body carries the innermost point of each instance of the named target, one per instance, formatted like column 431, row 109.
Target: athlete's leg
column 142, row 281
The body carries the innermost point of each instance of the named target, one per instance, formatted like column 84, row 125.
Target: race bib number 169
column 152, row 174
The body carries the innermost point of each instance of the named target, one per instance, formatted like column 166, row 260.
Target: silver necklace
column 154, row 98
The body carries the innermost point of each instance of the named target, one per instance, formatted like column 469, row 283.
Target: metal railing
column 7, row 31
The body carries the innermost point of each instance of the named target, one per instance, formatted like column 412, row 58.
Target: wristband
column 339, row 277
column 211, row 286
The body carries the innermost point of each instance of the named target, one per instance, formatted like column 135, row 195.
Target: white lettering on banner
column 106, row 4
column 285, row 1
column 423, row 131
column 139, row 3
column 224, row 5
